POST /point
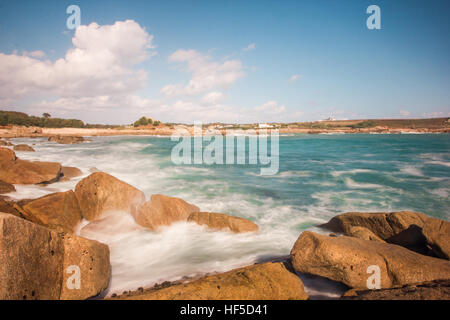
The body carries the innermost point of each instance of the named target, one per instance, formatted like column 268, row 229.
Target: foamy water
column 320, row 176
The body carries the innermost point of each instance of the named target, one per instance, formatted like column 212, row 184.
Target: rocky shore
column 400, row 255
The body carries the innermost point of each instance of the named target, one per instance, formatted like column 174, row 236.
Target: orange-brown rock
column 92, row 259
column 28, row 172
column 23, row 147
column 362, row 233
column 437, row 233
column 66, row 139
column 101, row 192
column 430, row 290
column 347, row 259
column 162, row 210
column 31, row 260
column 6, row 187
column 10, row 207
column 268, row 281
column 59, row 211
column 68, row 173
column 7, row 155
column 220, row 221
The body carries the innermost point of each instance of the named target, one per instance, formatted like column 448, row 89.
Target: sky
column 225, row 61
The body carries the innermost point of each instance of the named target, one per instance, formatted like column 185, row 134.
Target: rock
column 6, row 187
column 31, row 260
column 92, row 257
column 66, row 139
column 437, row 234
column 362, row 233
column 27, row 172
column 36, row 260
column 23, row 147
column 5, row 143
column 430, row 290
column 403, row 228
column 346, row 259
column 7, row 155
column 222, row 221
column 10, row 207
column 69, row 173
column 268, row 281
column 162, row 210
column 101, row 192
column 59, row 211
column 93, row 169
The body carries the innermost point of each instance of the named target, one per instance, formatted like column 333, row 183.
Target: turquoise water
column 320, row 176
column 332, row 172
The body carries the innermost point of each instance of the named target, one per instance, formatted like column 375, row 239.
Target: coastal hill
column 18, row 124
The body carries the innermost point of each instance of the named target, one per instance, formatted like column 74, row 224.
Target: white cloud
column 213, row 97
column 250, row 47
column 270, row 108
column 100, row 63
column 206, row 74
column 405, row 113
column 294, row 78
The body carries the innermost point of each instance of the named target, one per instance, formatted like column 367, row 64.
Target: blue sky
column 337, row 66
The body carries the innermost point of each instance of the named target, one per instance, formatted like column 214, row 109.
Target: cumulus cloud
column 206, row 74
column 271, row 108
column 213, row 97
column 250, row 47
column 101, row 63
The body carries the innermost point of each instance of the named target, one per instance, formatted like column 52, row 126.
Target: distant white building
column 265, row 126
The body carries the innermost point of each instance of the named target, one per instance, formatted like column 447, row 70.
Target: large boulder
column 38, row 263
column 430, row 290
column 437, row 234
column 10, row 207
column 31, row 260
column 23, row 147
column 7, row 155
column 268, row 281
column 27, row 172
column 403, row 228
column 59, row 211
column 68, row 173
column 66, row 139
column 92, row 259
column 6, row 187
column 347, row 259
column 101, row 192
column 162, row 210
column 220, row 221
column 16, row 171
column 362, row 233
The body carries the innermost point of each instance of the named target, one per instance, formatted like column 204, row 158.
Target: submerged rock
column 101, row 192
column 268, row 281
column 36, row 260
column 66, row 139
column 23, row 147
column 162, row 210
column 68, row 173
column 220, row 221
column 59, row 211
column 347, row 259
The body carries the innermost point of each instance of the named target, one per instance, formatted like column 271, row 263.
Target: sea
column 319, row 176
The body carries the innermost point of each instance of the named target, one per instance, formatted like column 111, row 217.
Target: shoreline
column 36, row 132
